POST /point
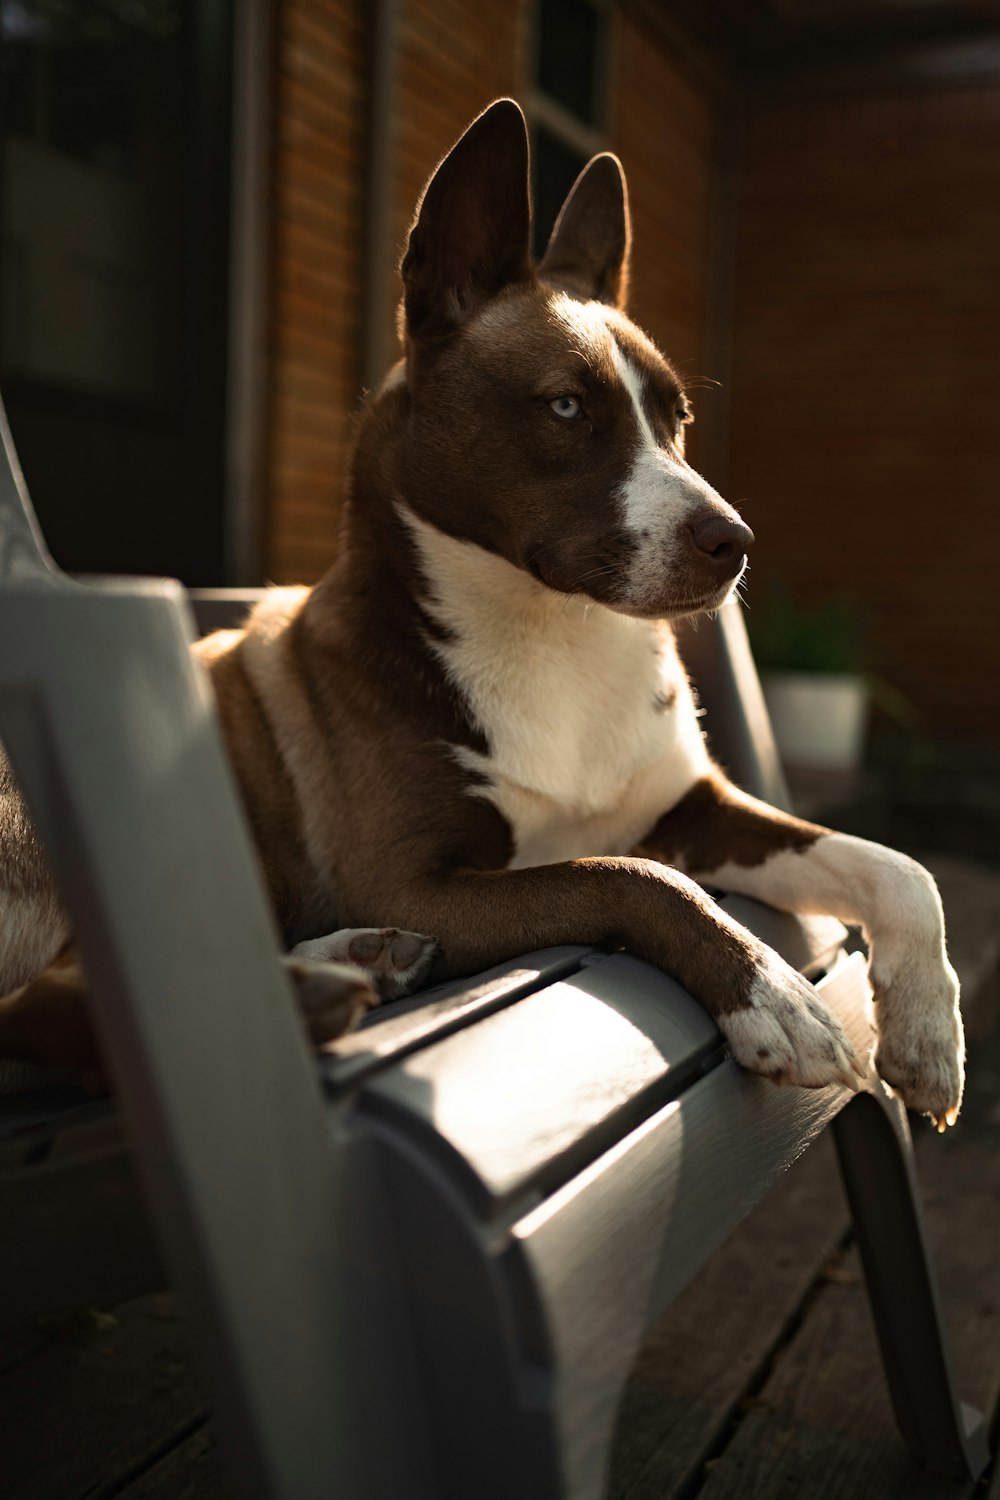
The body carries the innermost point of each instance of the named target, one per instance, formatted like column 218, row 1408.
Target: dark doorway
column 114, row 231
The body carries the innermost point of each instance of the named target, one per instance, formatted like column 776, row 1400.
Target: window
column 567, row 101
column 114, row 243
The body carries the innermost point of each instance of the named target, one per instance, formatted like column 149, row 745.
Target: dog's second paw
column 332, row 997
column 786, row 1032
column 921, row 1043
column 397, row 962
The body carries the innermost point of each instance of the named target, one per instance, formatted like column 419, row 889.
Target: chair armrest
column 110, row 727
column 222, row 609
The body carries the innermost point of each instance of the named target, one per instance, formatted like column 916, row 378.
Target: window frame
column 545, row 112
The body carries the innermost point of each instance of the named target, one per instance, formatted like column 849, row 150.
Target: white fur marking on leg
column 921, row 1050
column 788, row 1034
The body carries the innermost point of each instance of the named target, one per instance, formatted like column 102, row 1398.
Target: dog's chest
column 592, row 730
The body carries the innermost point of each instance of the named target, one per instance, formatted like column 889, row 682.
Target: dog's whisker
column 601, row 572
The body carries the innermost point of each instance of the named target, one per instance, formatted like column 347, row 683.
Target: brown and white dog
column 477, row 723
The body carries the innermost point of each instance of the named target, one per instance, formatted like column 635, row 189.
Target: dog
column 478, row 721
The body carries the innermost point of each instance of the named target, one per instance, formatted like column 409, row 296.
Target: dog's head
column 543, row 424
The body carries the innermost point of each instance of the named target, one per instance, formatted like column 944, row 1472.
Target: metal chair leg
column 873, row 1146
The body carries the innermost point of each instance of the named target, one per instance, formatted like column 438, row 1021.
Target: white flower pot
column 818, row 718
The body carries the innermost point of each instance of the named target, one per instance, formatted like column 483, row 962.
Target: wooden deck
column 762, row 1382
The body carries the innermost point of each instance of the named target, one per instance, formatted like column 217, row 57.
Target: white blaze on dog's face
column 544, row 425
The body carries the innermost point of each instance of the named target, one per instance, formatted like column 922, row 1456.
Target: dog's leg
column 730, row 840
column 47, row 1021
column 770, row 1015
column 396, row 962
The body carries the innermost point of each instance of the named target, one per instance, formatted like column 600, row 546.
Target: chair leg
column 873, row 1146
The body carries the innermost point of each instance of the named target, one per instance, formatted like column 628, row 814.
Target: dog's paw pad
column 332, row 997
column 396, row 961
column 368, row 946
column 410, row 949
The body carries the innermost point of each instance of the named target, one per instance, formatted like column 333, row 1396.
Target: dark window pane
column 569, row 46
column 114, row 222
column 91, row 175
column 557, row 167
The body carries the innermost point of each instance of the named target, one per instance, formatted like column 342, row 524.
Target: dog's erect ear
column 588, row 252
column 471, row 232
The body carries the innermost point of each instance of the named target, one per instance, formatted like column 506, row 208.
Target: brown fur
column 268, row 791
column 530, row 491
column 46, row 1021
column 711, row 826
column 588, row 253
column 410, row 841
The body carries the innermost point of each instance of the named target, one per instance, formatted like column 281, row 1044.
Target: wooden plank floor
column 762, row 1381
column 778, row 1391
column 807, row 1414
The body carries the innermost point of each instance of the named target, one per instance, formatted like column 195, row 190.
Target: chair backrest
column 23, row 553
column 111, row 733
column 717, row 654
column 23, row 556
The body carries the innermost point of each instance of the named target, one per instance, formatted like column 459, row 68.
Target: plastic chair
column 467, row 1214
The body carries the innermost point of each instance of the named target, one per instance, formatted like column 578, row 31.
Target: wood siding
column 665, row 134
column 866, row 387
column 318, row 229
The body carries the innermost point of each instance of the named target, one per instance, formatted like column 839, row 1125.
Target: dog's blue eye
column 566, row 406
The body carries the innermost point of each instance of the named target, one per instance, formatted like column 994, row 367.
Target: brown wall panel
column 318, row 228
column 665, row 134
column 866, row 388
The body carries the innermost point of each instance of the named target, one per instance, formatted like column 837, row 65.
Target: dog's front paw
column 786, row 1032
column 396, row 962
column 921, row 1043
column 332, row 997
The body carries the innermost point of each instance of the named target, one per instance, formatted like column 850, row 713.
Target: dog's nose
column 722, row 541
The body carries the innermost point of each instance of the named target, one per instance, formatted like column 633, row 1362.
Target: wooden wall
column 665, row 133
column 318, row 227
column 865, row 377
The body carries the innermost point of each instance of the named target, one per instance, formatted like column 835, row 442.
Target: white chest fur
column 592, row 729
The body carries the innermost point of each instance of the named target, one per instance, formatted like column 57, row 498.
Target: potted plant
column 816, row 692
